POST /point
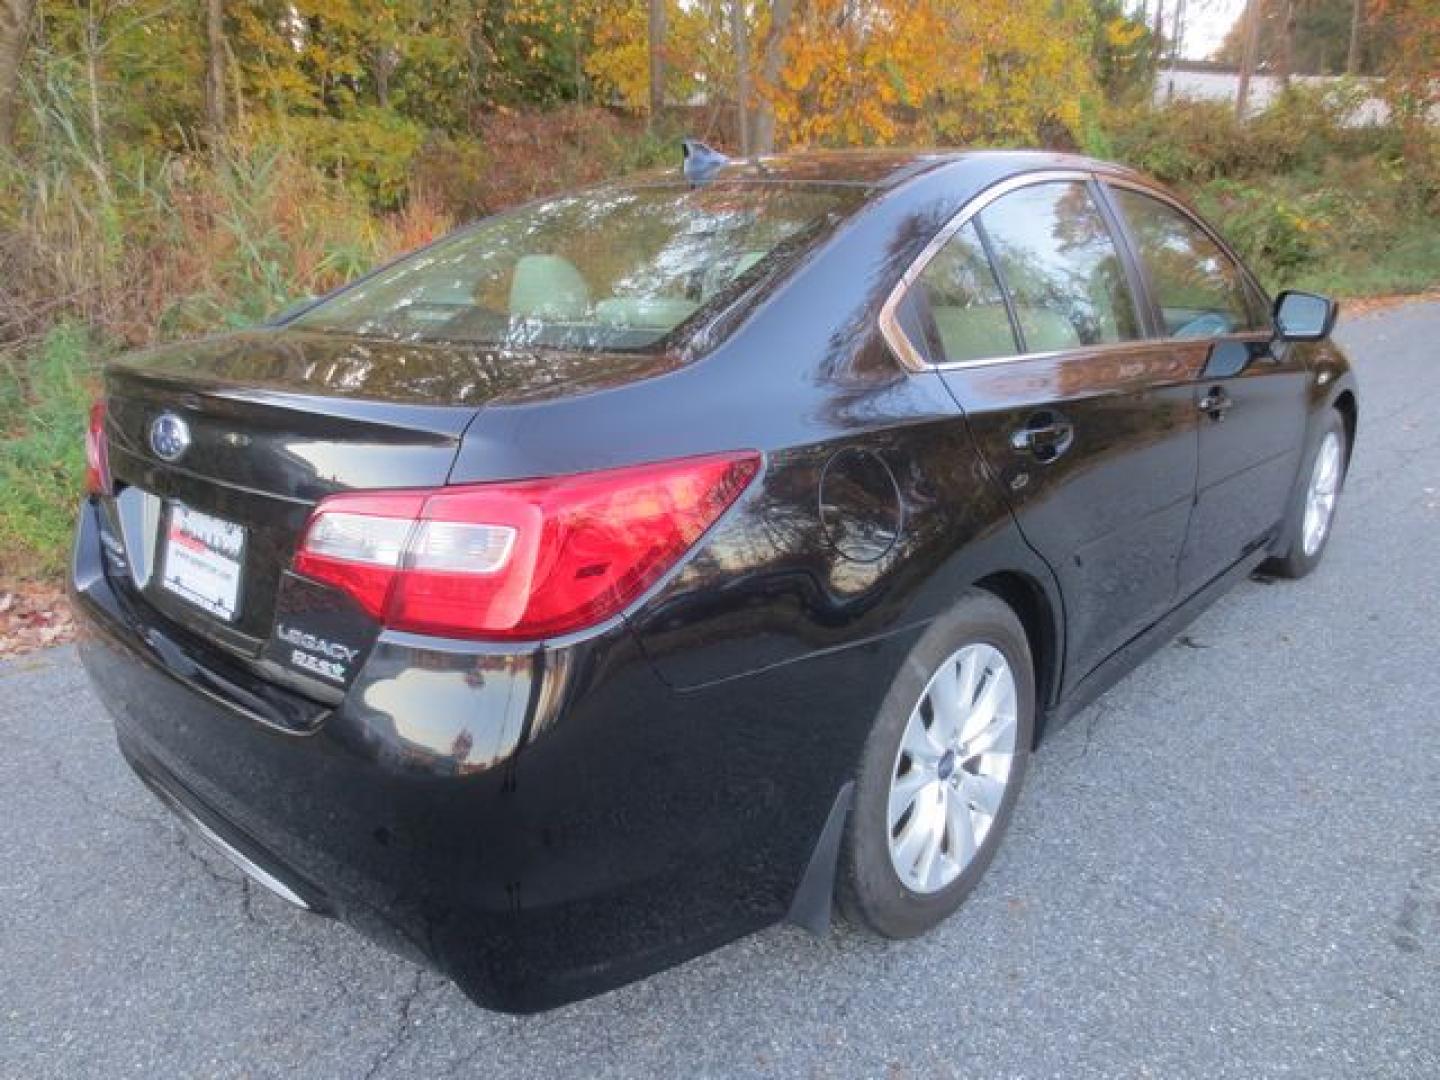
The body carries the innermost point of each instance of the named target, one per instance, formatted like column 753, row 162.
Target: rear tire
column 1312, row 510
column 941, row 771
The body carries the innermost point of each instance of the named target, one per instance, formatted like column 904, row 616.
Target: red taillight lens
column 97, row 453
column 518, row 560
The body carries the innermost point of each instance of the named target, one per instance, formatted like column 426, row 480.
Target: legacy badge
column 333, row 661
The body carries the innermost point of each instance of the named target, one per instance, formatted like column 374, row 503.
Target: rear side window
column 610, row 270
column 1199, row 289
column 1058, row 259
column 965, row 301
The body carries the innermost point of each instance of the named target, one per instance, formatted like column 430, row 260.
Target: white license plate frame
column 204, row 561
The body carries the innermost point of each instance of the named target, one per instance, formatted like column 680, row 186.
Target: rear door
column 1086, row 422
column 1250, row 392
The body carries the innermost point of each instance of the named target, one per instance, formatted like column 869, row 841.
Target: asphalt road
column 1230, row 866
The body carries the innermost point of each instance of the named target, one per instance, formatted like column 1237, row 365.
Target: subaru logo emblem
column 169, row 437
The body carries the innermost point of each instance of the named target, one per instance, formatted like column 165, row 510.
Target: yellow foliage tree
column 619, row 60
column 947, row 71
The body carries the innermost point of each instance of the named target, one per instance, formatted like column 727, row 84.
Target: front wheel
column 1313, row 510
column 941, row 770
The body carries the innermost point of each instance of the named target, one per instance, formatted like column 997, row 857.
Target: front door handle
column 1045, row 436
column 1216, row 404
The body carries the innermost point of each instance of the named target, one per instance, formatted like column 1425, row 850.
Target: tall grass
column 44, row 394
column 185, row 246
column 101, row 252
column 136, row 242
column 184, row 243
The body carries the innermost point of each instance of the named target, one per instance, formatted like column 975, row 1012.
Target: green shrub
column 45, row 393
column 1269, row 231
column 1191, row 141
column 1195, row 141
column 520, row 156
column 1303, row 195
column 374, row 151
column 1353, row 228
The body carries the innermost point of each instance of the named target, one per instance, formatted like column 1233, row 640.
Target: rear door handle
column 1216, row 404
column 1045, row 436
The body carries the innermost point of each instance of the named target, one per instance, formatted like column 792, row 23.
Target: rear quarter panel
column 805, row 377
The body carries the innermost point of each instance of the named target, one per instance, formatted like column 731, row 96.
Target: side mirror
column 1302, row 316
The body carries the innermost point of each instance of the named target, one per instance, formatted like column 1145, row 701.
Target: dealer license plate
column 203, row 557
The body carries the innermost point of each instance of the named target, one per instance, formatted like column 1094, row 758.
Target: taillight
column 522, row 560
column 97, row 452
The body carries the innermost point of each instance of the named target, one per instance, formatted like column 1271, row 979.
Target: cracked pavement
column 1230, row 866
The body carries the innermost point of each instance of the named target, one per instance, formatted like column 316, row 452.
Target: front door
column 1249, row 396
column 1085, row 421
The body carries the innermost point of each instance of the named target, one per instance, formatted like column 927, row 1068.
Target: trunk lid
column 275, row 420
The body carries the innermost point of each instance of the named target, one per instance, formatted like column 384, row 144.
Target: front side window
column 966, row 305
column 1056, row 256
column 1199, row 289
column 611, row 270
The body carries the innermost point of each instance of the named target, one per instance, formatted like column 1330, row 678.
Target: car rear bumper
column 540, row 826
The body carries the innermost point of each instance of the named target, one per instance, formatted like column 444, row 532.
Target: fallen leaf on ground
column 33, row 615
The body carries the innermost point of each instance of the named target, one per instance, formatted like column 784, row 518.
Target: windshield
column 611, row 270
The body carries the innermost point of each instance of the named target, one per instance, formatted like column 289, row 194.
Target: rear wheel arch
column 871, row 887
column 1349, row 412
column 1026, row 597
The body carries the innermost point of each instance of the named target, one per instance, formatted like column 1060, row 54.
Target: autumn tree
column 948, row 71
column 1122, row 51
column 1311, row 37
column 849, row 69
column 1412, row 73
column 697, row 55
column 1010, row 71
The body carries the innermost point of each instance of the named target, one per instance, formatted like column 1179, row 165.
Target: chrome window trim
column 1192, row 216
column 896, row 338
column 913, row 360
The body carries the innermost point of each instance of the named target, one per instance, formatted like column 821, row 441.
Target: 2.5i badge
column 318, row 632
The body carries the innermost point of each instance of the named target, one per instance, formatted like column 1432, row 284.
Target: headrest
column 644, row 312
column 548, row 287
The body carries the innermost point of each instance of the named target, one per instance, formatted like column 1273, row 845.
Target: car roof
column 881, row 170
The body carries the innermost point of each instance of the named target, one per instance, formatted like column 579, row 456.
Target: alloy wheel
column 952, row 768
column 1320, row 498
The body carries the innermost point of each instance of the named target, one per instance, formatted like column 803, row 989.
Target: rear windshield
column 613, row 270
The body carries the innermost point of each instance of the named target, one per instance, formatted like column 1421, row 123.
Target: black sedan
column 644, row 566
